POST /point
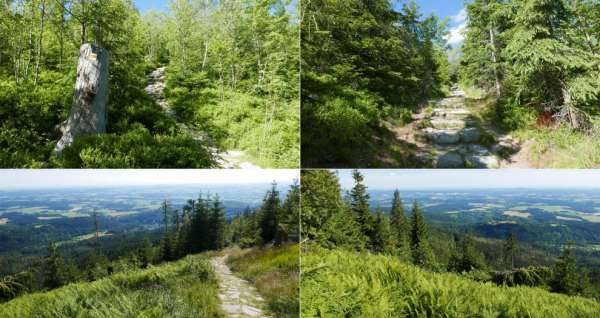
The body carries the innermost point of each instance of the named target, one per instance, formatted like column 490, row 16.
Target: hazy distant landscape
column 30, row 219
column 547, row 217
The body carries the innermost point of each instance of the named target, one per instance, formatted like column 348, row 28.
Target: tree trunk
column 495, row 62
column 40, row 42
column 90, row 97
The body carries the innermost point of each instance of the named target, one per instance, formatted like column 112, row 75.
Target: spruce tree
column 421, row 253
column 268, row 215
column 216, row 225
column 288, row 228
column 510, row 249
column 145, row 253
column 400, row 225
column 54, row 268
column 325, row 219
column 384, row 240
column 198, row 239
column 565, row 277
column 359, row 205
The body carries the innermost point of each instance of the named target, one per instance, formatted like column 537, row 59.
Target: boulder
column 470, row 135
column 482, row 161
column 450, row 160
column 444, row 137
column 90, row 97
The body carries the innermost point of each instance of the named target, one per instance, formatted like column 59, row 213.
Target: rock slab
column 90, row 97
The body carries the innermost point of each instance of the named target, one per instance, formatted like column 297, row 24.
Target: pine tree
column 268, row 215
column 384, row 241
column 510, row 249
column 54, row 268
column 216, row 221
column 400, row 225
column 290, row 212
column 421, row 252
column 198, row 239
column 325, row 219
column 565, row 277
column 470, row 258
column 145, row 253
column 359, row 205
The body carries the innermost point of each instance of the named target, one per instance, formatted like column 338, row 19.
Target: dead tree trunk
column 90, row 97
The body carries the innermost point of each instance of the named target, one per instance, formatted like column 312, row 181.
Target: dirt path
column 449, row 135
column 232, row 159
column 239, row 299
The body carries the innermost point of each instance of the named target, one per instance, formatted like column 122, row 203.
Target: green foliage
column 325, row 219
column 400, row 226
column 275, row 273
column 186, row 288
column 419, row 240
column 135, row 149
column 346, row 93
column 383, row 286
column 268, row 215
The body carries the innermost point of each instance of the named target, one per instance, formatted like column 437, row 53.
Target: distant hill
column 350, row 284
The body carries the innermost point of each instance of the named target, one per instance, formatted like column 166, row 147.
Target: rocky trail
column 448, row 135
column 232, row 159
column 239, row 299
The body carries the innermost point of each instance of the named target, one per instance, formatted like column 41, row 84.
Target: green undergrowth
column 186, row 288
column 562, row 147
column 274, row 272
column 350, row 284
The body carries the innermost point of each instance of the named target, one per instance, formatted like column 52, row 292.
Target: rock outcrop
column 90, row 97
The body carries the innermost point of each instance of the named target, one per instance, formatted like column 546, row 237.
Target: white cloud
column 460, row 17
column 456, row 34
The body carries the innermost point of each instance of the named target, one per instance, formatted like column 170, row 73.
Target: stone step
column 451, row 123
column 461, row 156
column 450, row 136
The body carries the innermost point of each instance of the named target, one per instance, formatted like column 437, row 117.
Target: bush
column 135, row 149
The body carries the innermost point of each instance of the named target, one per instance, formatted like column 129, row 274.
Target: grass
column 274, row 273
column 186, row 288
column 350, row 284
column 561, row 147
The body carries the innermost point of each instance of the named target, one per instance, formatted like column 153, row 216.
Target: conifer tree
column 325, row 219
column 54, row 268
column 384, row 241
column 198, row 233
column 510, row 249
column 421, row 252
column 565, row 277
column 268, row 215
column 399, row 224
column 216, row 225
column 145, row 253
column 288, row 228
column 359, row 205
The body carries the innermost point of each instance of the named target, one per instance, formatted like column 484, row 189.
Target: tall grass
column 349, row 284
column 187, row 288
column 561, row 147
column 274, row 272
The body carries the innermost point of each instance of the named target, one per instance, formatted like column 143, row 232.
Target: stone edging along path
column 231, row 159
column 451, row 137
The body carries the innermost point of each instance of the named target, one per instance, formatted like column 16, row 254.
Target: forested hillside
column 200, row 226
column 407, row 242
column 231, row 77
column 365, row 68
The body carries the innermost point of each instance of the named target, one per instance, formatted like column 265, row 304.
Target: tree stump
column 90, row 97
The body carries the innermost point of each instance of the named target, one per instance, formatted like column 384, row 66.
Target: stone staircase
column 455, row 139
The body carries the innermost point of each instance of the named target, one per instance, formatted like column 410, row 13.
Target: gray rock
column 450, row 160
column 485, row 161
column 470, row 135
column 442, row 123
column 90, row 97
column 444, row 137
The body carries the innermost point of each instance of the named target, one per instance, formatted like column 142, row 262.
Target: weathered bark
column 90, row 97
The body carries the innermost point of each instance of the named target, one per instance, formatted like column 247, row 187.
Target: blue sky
column 145, row 5
column 60, row 178
column 452, row 9
column 419, row 179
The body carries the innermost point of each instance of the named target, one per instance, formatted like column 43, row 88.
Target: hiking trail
column 231, row 159
column 448, row 135
column 239, row 299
